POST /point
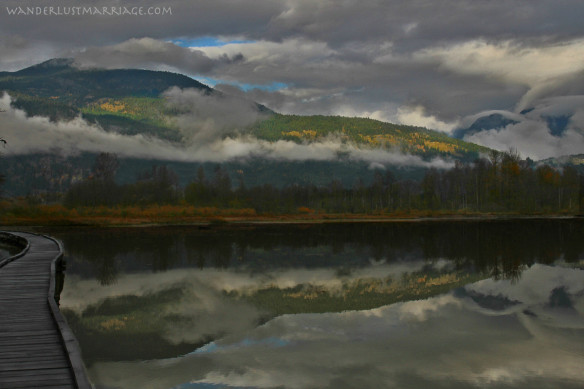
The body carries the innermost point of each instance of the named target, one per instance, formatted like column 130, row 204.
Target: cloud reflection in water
column 445, row 341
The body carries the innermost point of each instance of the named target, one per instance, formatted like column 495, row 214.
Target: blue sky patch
column 206, row 41
column 210, row 81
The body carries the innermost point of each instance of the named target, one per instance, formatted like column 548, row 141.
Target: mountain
column 131, row 101
column 419, row 141
column 555, row 115
column 59, row 90
column 575, row 160
column 60, row 80
column 493, row 121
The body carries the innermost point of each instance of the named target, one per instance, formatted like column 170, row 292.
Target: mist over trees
column 501, row 182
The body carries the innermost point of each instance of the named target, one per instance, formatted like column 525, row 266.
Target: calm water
column 7, row 250
column 379, row 305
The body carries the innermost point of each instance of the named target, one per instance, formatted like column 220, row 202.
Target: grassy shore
column 19, row 214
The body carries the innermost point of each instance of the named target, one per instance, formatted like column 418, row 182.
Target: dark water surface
column 491, row 304
column 8, row 250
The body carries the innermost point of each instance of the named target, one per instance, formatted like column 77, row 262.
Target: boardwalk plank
column 22, row 385
column 39, row 379
column 47, row 384
column 31, row 357
column 34, row 365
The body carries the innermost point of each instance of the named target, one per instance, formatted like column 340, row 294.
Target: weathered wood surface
column 37, row 348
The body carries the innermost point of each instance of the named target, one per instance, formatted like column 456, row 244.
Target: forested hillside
column 130, row 102
column 369, row 132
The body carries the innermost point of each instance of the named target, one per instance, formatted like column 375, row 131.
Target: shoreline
column 218, row 221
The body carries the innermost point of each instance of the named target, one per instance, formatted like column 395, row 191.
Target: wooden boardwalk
column 37, row 348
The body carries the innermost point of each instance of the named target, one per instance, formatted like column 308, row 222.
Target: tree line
column 501, row 182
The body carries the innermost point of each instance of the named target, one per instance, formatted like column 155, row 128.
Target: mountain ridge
column 111, row 97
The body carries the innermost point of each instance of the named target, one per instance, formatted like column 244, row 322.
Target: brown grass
column 18, row 212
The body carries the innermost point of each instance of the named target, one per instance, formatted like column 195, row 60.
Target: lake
column 485, row 304
column 8, row 250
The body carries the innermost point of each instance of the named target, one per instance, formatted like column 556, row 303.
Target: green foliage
column 52, row 108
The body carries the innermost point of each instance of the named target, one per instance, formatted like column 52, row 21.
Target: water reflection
column 8, row 250
column 447, row 341
column 397, row 305
column 501, row 247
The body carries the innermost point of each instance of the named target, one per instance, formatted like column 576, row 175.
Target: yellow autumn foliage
column 114, row 106
column 292, row 133
column 113, row 324
column 309, row 134
column 441, row 146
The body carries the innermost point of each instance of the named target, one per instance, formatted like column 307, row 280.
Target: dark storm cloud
column 17, row 52
column 420, row 23
column 329, row 81
column 148, row 52
column 409, row 24
column 188, row 18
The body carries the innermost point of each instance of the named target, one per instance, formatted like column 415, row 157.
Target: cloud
column 205, row 125
column 532, row 139
column 510, row 60
column 206, row 117
column 19, row 52
column 363, row 80
column 532, row 135
column 567, row 85
column 192, row 19
column 150, row 53
column 416, row 116
column 407, row 22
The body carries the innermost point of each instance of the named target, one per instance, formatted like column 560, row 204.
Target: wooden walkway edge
column 37, row 347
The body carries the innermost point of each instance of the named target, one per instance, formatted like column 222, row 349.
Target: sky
column 437, row 64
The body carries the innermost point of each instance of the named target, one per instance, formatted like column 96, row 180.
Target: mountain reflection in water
column 437, row 304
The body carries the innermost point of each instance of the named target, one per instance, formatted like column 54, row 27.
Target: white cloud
column 417, row 116
column 531, row 134
column 509, row 60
